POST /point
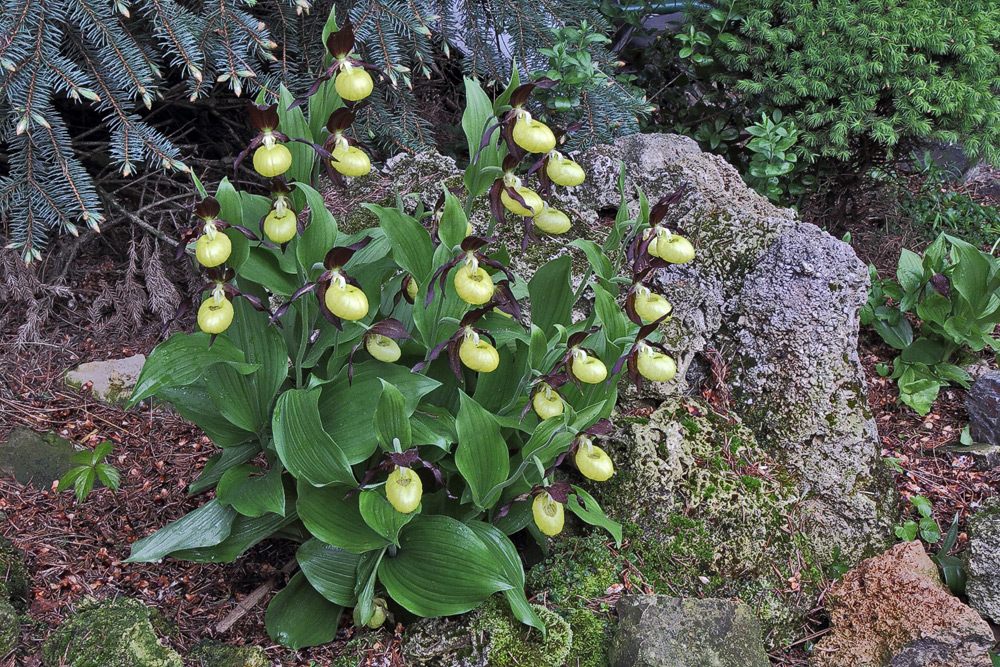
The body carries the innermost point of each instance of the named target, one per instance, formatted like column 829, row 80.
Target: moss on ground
column 511, row 643
column 212, row 653
column 14, row 574
column 115, row 633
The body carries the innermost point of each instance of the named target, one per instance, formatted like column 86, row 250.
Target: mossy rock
column 708, row 512
column 489, row 636
column 10, row 624
column 115, row 633
column 13, row 575
column 212, row 653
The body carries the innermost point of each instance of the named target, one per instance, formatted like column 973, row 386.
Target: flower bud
column 478, row 355
column 473, row 284
column 271, row 161
column 354, row 84
column 651, row 306
column 350, row 160
column 654, row 365
column 546, row 402
column 280, row 228
column 563, row 171
column 215, row 314
column 403, row 490
column 346, row 301
column 588, row 369
column 548, row 514
column 593, row 462
column 533, row 135
column 551, row 221
column 213, row 248
column 382, row 348
column 530, row 198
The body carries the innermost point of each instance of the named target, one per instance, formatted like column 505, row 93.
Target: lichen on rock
column 10, row 623
column 13, row 575
column 212, row 653
column 116, row 633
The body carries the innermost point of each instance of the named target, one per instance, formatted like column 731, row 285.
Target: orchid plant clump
column 381, row 398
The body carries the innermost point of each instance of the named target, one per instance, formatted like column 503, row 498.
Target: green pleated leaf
column 299, row 616
column 454, row 223
column 551, row 294
column 347, row 409
column 481, row 455
column 391, row 421
column 261, row 266
column 252, row 491
column 442, row 568
column 263, row 345
column 246, row 532
column 293, row 123
column 336, row 520
column 231, row 210
column 181, row 359
column 332, row 571
column 232, row 396
column 593, row 514
column 194, row 404
column 321, row 233
column 599, row 261
column 382, row 517
column 204, row 527
column 505, row 553
column 432, row 425
column 411, row 244
column 217, row 466
column 306, row 450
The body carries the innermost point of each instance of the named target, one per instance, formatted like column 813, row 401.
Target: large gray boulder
column 775, row 299
column 662, row 631
column 35, row 458
column 983, row 560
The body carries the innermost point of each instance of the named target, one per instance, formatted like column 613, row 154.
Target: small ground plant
column 954, row 290
column 381, row 397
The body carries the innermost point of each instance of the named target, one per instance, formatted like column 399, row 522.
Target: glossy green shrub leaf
column 442, row 568
column 584, row 506
column 321, row 232
column 381, row 516
column 551, row 294
column 246, row 532
column 182, row 359
column 481, row 454
column 204, row 527
column 411, row 244
column 391, row 420
column 332, row 571
column 335, row 519
column 306, row 450
column 347, row 408
column 252, row 491
column 299, row 616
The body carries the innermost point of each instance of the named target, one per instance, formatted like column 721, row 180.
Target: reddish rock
column 893, row 611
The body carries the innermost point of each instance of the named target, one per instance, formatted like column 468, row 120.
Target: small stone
column 662, row 631
column 984, row 457
column 110, row 381
column 14, row 582
column 108, row 633
column 894, row 610
column 212, row 653
column 10, row 624
column 983, row 404
column 35, row 457
column 983, row 560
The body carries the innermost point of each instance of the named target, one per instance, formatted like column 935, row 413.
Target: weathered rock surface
column 489, row 636
column 212, row 653
column 10, row 623
column 111, row 381
column 894, row 611
column 115, row 633
column 661, row 631
column 14, row 574
column 984, row 457
column 701, row 489
column 983, row 560
column 983, row 404
column 778, row 297
column 35, row 458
